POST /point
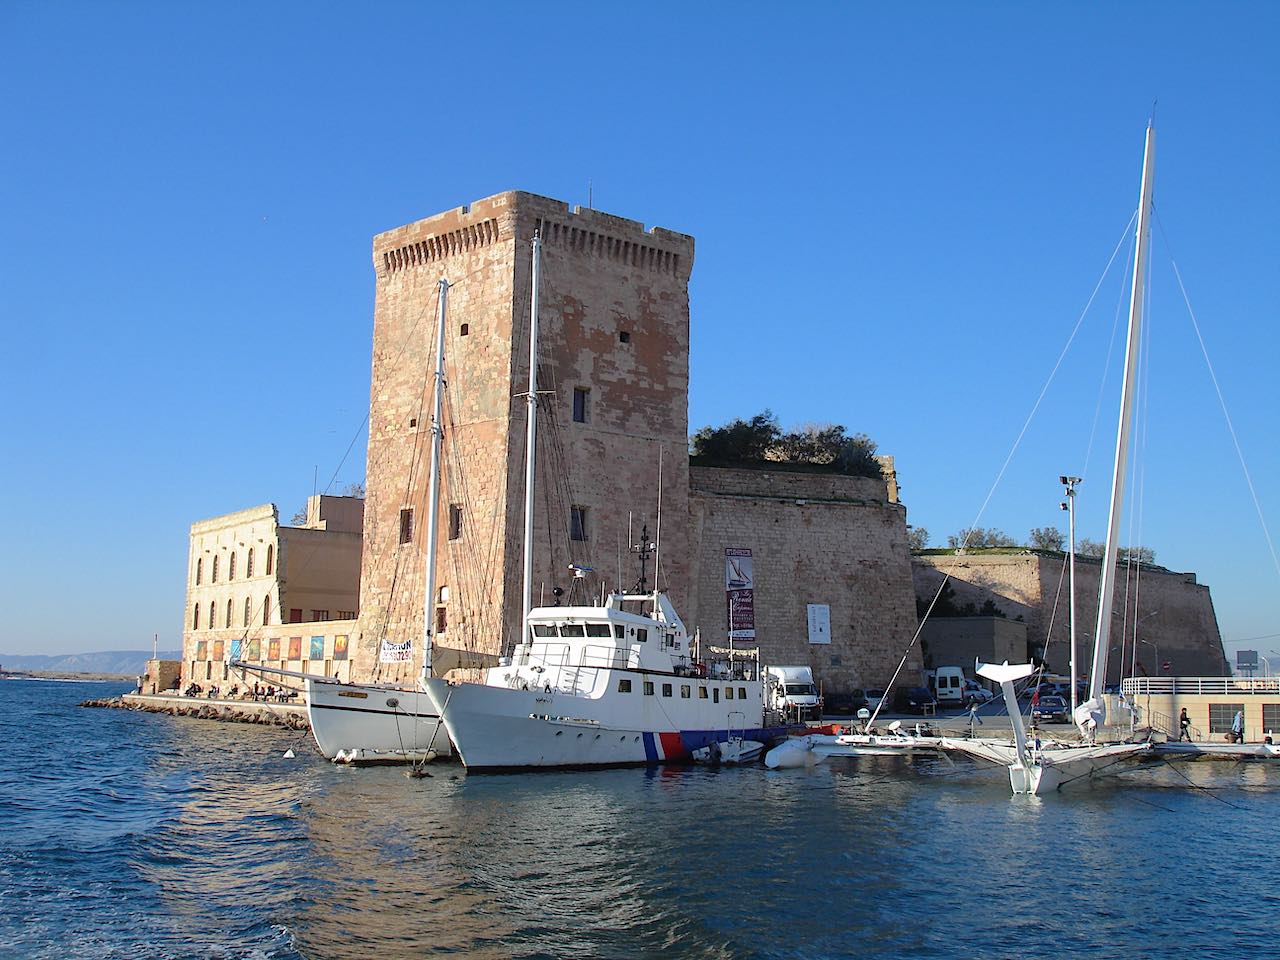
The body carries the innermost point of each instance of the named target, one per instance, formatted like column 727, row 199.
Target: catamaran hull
column 354, row 723
column 497, row 728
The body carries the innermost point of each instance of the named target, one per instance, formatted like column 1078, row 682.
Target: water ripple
column 129, row 835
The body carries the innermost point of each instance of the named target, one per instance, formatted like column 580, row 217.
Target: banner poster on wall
column 273, row 648
column 340, row 647
column 295, row 648
column 235, row 649
column 395, row 652
column 739, row 588
column 819, row 623
column 252, row 649
column 217, row 649
column 202, row 649
column 317, row 648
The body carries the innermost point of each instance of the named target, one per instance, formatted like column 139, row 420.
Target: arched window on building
column 266, row 603
column 248, row 566
column 215, row 568
column 248, row 610
column 229, row 613
column 231, row 567
column 195, row 618
column 271, row 556
column 199, row 570
column 213, row 616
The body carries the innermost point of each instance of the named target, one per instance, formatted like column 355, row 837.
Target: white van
column 948, row 686
column 792, row 692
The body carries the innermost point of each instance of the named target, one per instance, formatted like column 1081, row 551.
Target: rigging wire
column 1008, row 459
column 1106, row 367
column 1235, row 440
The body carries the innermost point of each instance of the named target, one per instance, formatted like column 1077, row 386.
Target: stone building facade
column 822, row 539
column 613, row 400
column 1175, row 618
column 270, row 591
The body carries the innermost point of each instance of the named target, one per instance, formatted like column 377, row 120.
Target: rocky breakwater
column 232, row 711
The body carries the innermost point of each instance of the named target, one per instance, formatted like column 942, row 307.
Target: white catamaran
column 1034, row 769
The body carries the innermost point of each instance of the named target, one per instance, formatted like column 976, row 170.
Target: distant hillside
column 128, row 662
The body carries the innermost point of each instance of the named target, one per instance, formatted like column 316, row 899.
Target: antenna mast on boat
column 657, row 545
column 1102, row 636
column 531, row 403
column 433, row 487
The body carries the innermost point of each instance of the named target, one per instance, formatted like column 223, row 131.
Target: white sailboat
column 1034, row 769
column 384, row 723
column 591, row 686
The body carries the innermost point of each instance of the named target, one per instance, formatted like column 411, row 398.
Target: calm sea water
column 133, row 835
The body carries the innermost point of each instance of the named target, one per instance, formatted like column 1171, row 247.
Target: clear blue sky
column 900, row 210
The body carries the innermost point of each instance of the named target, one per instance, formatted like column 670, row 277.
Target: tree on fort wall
column 977, row 537
column 1047, row 538
column 918, row 538
column 762, row 440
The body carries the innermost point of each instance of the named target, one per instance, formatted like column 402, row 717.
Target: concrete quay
column 291, row 715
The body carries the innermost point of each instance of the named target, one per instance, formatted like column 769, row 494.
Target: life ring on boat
column 700, row 669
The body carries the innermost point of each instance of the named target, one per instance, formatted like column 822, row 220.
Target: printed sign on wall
column 819, row 623
column 739, row 588
column 202, row 649
column 317, row 648
column 340, row 647
column 235, row 649
column 253, row 650
column 295, row 648
column 273, row 648
column 395, row 652
column 218, row 646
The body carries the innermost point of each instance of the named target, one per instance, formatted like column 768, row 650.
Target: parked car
column 974, row 692
column 915, row 700
column 845, row 704
column 874, row 697
column 1051, row 709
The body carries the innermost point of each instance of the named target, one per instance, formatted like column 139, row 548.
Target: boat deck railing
column 1201, row 686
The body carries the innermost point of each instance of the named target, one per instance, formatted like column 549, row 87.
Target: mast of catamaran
column 1102, row 636
column 433, row 487
column 531, row 432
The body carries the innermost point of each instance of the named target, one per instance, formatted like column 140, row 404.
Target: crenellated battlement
column 515, row 215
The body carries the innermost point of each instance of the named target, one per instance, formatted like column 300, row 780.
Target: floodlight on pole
column 1070, row 507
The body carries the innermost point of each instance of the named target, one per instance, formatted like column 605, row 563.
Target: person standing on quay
column 1184, row 724
column 1237, row 727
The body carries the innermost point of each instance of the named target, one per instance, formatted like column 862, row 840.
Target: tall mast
column 1102, row 636
column 433, row 488
column 531, row 433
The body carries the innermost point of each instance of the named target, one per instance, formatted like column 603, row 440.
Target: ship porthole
column 579, row 736
column 622, row 739
column 558, row 732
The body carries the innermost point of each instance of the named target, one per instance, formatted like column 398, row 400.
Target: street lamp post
column 1155, row 646
column 1070, row 506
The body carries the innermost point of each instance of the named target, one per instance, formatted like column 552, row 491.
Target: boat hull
column 499, row 728
column 357, row 723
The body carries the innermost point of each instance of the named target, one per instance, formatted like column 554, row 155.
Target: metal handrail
column 1201, row 686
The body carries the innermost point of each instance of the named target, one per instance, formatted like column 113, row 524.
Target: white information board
column 819, row 623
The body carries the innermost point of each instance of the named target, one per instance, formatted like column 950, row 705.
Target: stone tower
column 613, row 384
